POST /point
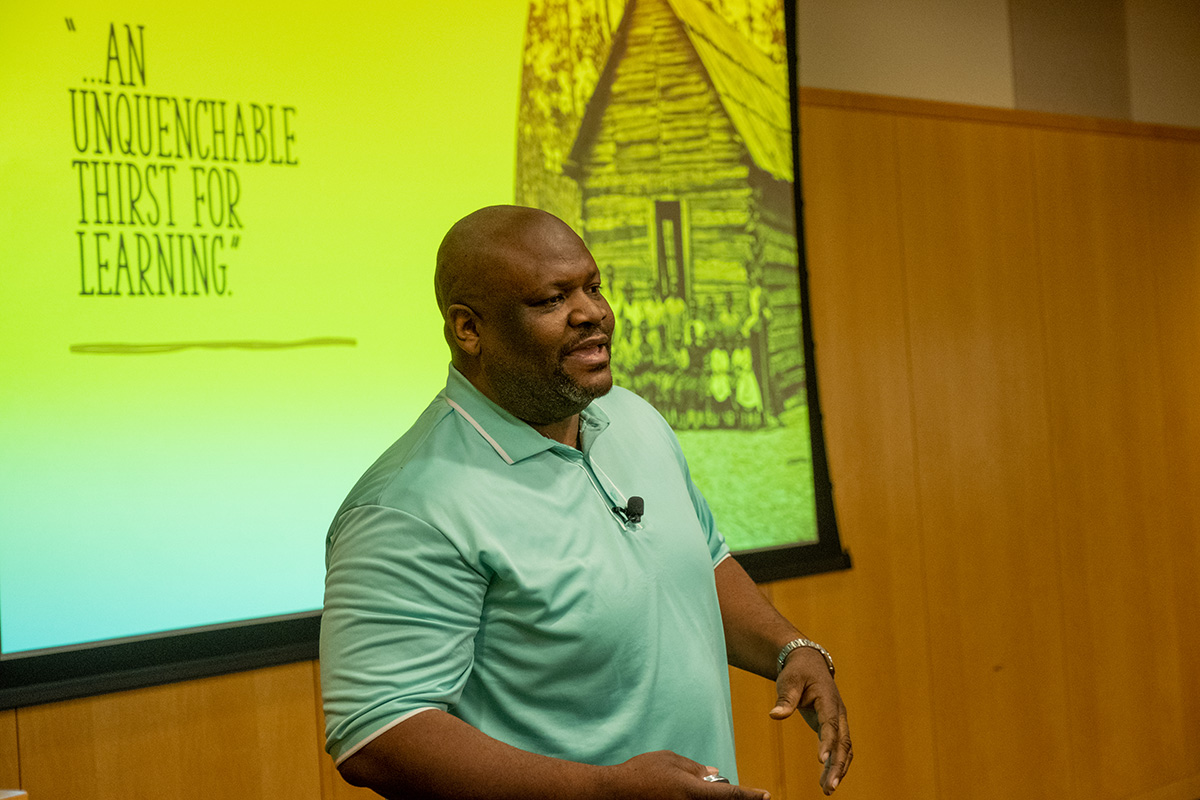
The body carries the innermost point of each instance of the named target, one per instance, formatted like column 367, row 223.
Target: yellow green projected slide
column 216, row 245
column 218, row 224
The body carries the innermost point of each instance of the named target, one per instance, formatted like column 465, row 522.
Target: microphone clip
column 632, row 513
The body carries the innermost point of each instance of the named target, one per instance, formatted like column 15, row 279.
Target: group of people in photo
column 695, row 359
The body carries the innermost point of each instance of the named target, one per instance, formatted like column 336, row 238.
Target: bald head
column 480, row 248
column 523, row 312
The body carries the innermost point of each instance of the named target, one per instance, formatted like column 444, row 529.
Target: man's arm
column 754, row 634
column 434, row 755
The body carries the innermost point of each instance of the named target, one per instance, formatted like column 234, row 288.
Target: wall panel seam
column 1053, row 524
column 918, row 506
column 17, row 744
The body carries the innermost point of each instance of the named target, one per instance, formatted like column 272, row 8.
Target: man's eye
column 550, row 301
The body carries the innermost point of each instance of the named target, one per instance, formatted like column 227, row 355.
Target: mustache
column 592, row 337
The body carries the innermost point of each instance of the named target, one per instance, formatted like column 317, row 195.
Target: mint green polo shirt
column 478, row 568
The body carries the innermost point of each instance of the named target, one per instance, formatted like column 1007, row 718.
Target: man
column 499, row 622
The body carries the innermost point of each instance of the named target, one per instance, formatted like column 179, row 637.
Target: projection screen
column 217, row 237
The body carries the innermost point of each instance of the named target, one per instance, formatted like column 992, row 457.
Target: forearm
column 436, row 755
column 754, row 635
column 754, row 630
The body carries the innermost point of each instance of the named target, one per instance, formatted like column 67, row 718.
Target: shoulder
column 622, row 402
column 630, row 416
column 411, row 460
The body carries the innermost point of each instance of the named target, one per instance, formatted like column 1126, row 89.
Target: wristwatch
column 795, row 643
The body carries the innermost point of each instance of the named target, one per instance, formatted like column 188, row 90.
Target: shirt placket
column 609, row 495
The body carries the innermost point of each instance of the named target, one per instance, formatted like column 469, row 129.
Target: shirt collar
column 513, row 439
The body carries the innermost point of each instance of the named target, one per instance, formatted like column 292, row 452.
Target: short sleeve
column 717, row 548
column 402, row 608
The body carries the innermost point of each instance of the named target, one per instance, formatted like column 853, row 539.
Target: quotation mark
column 70, row 24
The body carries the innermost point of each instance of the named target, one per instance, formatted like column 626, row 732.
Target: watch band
column 797, row 643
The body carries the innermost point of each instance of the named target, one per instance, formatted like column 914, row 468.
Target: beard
column 548, row 394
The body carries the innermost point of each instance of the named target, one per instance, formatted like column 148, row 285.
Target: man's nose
column 591, row 309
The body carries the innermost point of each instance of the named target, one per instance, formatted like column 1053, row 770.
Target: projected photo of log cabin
column 681, row 162
column 662, row 132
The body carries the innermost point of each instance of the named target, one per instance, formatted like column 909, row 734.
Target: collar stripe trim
column 495, row 445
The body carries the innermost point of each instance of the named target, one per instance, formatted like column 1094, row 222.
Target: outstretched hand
column 663, row 775
column 805, row 685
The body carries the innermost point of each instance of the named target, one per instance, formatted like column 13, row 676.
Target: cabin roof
column 752, row 88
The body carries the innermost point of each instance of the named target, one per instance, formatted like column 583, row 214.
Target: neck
column 565, row 431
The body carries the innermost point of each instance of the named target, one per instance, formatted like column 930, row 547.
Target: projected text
column 158, row 176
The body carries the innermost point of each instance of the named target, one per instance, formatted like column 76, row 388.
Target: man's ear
column 462, row 323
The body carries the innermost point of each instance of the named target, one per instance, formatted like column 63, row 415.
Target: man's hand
column 754, row 632
column 664, row 775
column 806, row 685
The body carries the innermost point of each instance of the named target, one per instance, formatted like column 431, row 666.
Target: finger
column 827, row 777
column 742, row 793
column 784, row 706
column 830, row 720
column 787, row 698
column 730, row 791
column 838, row 761
column 832, row 774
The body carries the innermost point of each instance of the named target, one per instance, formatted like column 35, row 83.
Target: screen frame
column 59, row 674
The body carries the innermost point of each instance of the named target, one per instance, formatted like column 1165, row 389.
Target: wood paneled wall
column 10, row 765
column 1007, row 315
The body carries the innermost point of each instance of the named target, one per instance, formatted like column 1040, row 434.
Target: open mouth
column 591, row 352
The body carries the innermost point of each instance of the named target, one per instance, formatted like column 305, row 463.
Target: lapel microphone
column 633, row 510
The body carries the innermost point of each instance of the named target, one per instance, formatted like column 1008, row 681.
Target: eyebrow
column 593, row 276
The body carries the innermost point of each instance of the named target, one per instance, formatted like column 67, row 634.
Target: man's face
column 546, row 329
